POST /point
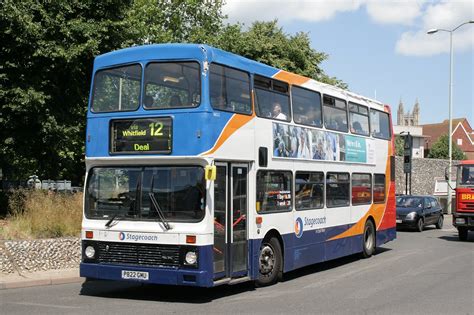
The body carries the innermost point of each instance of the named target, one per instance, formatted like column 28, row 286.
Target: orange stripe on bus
column 235, row 123
column 290, row 78
column 376, row 211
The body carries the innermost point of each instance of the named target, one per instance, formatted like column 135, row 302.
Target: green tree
column 440, row 150
column 181, row 21
column 266, row 42
column 399, row 143
column 47, row 52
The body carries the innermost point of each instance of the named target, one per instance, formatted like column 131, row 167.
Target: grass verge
column 39, row 214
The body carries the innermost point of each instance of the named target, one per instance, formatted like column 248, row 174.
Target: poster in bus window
column 356, row 149
column 310, row 144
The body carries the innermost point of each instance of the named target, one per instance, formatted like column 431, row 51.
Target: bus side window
column 272, row 98
column 335, row 113
column 309, row 190
column 274, row 191
column 337, row 190
column 379, row 188
column 229, row 89
column 380, row 122
column 359, row 119
column 361, row 189
column 306, row 106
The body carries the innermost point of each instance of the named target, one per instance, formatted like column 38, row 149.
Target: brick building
column 463, row 135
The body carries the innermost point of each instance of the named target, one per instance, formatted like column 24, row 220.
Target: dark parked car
column 418, row 212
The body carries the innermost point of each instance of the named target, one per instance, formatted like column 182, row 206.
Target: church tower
column 416, row 113
column 400, row 113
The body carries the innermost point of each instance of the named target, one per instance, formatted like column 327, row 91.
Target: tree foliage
column 47, row 54
column 399, row 144
column 440, row 150
column 266, row 42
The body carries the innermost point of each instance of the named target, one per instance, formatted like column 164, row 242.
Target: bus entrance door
column 230, row 220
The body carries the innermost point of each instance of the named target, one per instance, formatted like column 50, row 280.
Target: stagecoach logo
column 298, row 227
column 137, row 237
column 121, row 236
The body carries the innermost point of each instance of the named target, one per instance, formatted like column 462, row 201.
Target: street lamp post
column 430, row 32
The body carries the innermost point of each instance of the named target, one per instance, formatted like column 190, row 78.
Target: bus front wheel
column 368, row 246
column 269, row 262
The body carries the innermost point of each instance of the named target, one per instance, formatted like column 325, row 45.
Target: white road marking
column 44, row 305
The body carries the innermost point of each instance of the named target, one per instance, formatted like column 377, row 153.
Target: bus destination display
column 143, row 135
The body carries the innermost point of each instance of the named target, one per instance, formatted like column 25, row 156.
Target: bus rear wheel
column 368, row 246
column 269, row 262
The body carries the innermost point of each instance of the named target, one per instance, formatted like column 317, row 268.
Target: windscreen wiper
column 156, row 205
column 158, row 210
column 115, row 216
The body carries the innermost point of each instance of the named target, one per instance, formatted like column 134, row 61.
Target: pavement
column 40, row 278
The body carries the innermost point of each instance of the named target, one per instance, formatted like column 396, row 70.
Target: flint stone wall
column 23, row 256
column 424, row 172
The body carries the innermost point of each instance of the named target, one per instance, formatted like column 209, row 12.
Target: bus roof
column 202, row 52
column 467, row 162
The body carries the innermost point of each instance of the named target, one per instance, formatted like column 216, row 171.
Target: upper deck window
column 272, row 98
column 230, row 89
column 117, row 89
column 172, row 85
column 359, row 118
column 335, row 113
column 306, row 107
column 380, row 122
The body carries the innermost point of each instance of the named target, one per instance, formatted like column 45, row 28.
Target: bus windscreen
column 124, row 192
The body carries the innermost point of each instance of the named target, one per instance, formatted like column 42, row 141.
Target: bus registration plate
column 137, row 275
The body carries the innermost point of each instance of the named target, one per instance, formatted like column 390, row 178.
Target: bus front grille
column 139, row 254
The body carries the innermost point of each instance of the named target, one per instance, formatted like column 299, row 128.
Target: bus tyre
column 270, row 262
column 439, row 224
column 462, row 233
column 419, row 225
column 368, row 246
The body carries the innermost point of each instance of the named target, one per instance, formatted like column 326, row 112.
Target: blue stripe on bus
column 203, row 276
column 313, row 248
column 197, row 125
column 310, row 249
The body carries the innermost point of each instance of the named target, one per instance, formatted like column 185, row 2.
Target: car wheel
column 270, row 262
column 368, row 238
column 462, row 233
column 439, row 224
column 419, row 225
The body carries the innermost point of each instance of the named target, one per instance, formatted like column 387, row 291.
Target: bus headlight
column 191, row 258
column 89, row 252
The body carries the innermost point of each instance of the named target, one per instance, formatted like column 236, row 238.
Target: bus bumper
column 463, row 220
column 199, row 278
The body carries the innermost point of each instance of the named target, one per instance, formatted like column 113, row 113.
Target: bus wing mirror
column 210, row 172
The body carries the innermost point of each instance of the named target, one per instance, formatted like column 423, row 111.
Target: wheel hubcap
column 267, row 260
column 368, row 238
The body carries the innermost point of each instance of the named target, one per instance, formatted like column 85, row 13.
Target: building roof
column 461, row 128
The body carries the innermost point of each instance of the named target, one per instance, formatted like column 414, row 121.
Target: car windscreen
column 409, row 202
column 125, row 192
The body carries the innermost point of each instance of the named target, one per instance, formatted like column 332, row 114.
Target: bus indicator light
column 258, row 220
column 191, row 239
column 89, row 234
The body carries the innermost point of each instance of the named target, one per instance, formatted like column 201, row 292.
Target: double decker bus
column 207, row 168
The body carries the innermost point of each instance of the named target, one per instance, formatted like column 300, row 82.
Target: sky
column 380, row 48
